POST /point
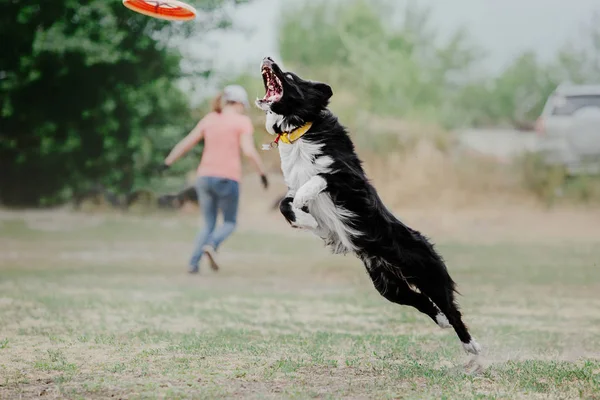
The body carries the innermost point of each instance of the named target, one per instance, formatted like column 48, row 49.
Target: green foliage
column 396, row 69
column 543, row 181
column 401, row 67
column 88, row 95
column 579, row 62
column 552, row 184
column 517, row 95
column 389, row 67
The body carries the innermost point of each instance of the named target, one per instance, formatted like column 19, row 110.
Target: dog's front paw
column 304, row 220
column 300, row 201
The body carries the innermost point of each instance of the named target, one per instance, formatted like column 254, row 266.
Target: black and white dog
column 330, row 195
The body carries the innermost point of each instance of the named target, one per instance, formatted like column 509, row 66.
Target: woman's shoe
column 212, row 256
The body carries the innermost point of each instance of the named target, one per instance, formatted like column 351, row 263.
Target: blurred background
column 443, row 101
column 478, row 123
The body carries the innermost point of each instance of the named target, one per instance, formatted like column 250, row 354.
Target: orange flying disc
column 171, row 10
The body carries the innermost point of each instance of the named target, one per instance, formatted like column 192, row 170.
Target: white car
column 569, row 129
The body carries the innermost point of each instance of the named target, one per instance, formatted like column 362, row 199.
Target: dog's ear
column 324, row 89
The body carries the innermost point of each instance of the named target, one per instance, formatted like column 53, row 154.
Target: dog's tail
column 418, row 263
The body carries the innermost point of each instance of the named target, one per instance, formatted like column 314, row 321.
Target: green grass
column 101, row 307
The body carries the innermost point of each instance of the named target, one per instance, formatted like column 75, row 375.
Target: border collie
column 330, row 195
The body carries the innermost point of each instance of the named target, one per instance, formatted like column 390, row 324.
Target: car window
column 567, row 105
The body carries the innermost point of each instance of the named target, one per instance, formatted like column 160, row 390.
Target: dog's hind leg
column 398, row 291
column 443, row 297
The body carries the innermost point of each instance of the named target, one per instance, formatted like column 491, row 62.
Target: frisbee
column 171, row 10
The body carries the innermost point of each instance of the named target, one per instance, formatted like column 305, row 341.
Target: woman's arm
column 185, row 144
column 249, row 151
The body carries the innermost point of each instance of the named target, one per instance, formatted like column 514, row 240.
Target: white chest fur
column 301, row 161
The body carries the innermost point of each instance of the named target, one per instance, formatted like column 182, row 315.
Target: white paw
column 472, row 347
column 304, row 220
column 442, row 321
column 300, row 200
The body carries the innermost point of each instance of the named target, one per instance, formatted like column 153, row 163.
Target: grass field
column 101, row 307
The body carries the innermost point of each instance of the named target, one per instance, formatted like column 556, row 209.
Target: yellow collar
column 291, row 137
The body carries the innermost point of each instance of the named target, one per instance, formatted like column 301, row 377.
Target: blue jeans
column 215, row 194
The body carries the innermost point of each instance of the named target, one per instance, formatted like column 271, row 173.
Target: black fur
column 404, row 266
column 285, row 206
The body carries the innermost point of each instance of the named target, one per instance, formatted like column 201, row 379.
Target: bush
column 553, row 184
column 540, row 179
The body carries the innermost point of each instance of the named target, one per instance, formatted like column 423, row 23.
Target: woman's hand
column 265, row 181
column 162, row 168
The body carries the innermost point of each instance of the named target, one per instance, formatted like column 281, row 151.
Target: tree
column 515, row 97
column 396, row 64
column 579, row 62
column 397, row 68
column 88, row 93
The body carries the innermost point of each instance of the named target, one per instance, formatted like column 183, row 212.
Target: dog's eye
column 290, row 76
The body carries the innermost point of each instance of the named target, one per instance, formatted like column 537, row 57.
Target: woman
column 226, row 130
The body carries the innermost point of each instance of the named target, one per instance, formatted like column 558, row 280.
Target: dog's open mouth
column 273, row 86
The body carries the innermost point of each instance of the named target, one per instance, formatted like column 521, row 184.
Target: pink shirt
column 222, row 134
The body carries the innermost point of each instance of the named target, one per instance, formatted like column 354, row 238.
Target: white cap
column 237, row 94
